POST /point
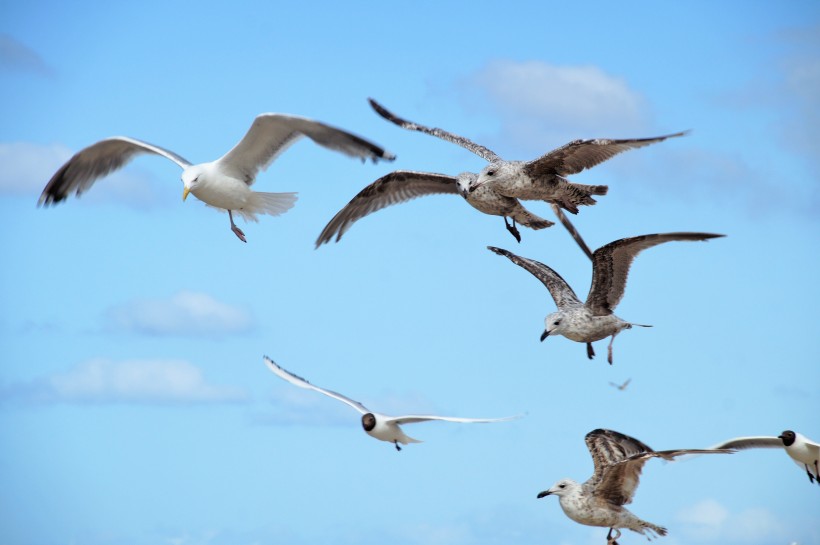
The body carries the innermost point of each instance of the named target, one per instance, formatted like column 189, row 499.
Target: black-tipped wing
column 95, row 161
column 302, row 383
column 558, row 287
column 481, row 151
column 396, row 187
column 619, row 460
column 611, row 263
column 579, row 155
column 271, row 134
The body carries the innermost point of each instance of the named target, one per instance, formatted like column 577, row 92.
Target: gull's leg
column 816, row 472
column 512, row 229
column 811, row 477
column 397, row 445
column 236, row 230
column 609, row 350
column 590, row 351
column 610, row 540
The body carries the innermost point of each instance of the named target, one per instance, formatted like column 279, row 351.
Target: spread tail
column 272, row 204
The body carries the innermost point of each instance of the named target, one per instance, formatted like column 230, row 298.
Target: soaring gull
column 224, row 183
column 594, row 319
column 541, row 179
column 621, row 386
column 618, row 461
column 381, row 426
column 801, row 449
column 404, row 185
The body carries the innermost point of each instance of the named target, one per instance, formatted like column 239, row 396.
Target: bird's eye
column 490, row 173
column 562, row 486
column 556, row 322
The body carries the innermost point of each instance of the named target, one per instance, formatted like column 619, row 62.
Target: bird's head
column 553, row 325
column 191, row 178
column 467, row 183
column 561, row 488
column 494, row 172
column 788, row 437
column 368, row 421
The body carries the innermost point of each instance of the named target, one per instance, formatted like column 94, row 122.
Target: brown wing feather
column 481, row 151
column 559, row 289
column 579, row 155
column 396, row 187
column 611, row 263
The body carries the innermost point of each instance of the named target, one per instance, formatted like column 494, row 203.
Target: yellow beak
column 185, row 192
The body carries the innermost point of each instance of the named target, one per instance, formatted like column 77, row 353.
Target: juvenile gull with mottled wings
column 541, row 179
column 594, row 319
column 801, row 449
column 404, row 185
column 381, row 426
column 618, row 461
column 224, row 183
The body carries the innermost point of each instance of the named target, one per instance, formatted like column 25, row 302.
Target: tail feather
column 272, row 204
column 528, row 219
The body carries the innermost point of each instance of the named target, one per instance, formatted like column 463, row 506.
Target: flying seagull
column 381, row 426
column 541, row 179
column 622, row 386
column 801, row 449
column 594, row 319
column 404, row 185
column 224, row 183
column 618, row 461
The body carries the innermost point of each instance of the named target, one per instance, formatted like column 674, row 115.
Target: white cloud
column 26, row 167
column 540, row 102
column 185, row 313
column 102, row 381
column 18, row 57
column 709, row 521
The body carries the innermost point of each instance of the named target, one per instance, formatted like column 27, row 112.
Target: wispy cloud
column 186, row 313
column 18, row 57
column 541, row 102
column 709, row 521
column 102, row 381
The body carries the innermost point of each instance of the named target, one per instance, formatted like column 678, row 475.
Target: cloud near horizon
column 103, row 381
column 186, row 313
column 708, row 521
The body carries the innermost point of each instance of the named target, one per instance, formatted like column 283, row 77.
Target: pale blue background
column 134, row 404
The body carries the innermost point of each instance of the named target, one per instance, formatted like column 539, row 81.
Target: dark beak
column 544, row 335
column 543, row 494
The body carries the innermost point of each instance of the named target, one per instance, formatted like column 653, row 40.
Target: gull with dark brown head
column 594, row 319
column 542, row 179
column 224, row 183
column 404, row 185
column 802, row 450
column 380, row 426
column 618, row 460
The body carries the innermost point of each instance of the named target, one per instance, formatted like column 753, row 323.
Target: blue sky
column 134, row 404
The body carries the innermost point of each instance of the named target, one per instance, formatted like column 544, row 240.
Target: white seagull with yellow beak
column 224, row 183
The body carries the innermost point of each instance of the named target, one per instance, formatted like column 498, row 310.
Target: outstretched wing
column 579, row 155
column 742, row 443
column 95, row 161
column 481, row 151
column 618, row 461
column 413, row 419
column 611, row 263
column 396, row 187
column 271, row 134
column 558, row 287
column 302, row 383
